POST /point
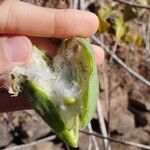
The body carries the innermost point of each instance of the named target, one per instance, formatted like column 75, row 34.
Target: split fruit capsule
column 63, row 90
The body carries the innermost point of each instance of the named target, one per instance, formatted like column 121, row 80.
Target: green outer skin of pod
column 92, row 88
column 45, row 108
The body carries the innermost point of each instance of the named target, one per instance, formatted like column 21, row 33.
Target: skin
column 23, row 25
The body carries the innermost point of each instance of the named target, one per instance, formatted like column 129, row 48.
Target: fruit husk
column 46, row 106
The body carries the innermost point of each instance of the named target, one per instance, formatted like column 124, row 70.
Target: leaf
column 129, row 38
column 129, row 13
column 120, row 28
column 104, row 14
column 135, row 39
column 142, row 2
column 138, row 40
column 103, row 25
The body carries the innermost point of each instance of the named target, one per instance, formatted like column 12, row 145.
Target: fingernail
column 17, row 48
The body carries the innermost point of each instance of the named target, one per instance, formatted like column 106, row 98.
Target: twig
column 106, row 83
column 75, row 4
column 114, row 51
column 93, row 137
column 121, row 141
column 90, row 144
column 50, row 138
column 115, row 57
column 82, row 4
column 147, row 37
column 133, row 4
column 102, row 125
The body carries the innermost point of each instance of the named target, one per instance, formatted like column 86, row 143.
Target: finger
column 99, row 54
column 23, row 18
column 44, row 44
column 14, row 51
column 51, row 49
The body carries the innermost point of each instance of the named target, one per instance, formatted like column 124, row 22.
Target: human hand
column 19, row 18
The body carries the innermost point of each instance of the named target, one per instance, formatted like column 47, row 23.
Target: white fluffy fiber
column 53, row 83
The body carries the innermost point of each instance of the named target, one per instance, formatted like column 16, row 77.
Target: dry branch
column 118, row 140
column 117, row 59
column 132, row 4
column 50, row 138
column 102, row 125
column 93, row 137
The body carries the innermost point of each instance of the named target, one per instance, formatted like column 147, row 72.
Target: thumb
column 14, row 51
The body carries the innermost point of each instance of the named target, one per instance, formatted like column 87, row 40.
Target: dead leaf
column 120, row 28
column 104, row 14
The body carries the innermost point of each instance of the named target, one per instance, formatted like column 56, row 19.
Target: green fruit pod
column 64, row 89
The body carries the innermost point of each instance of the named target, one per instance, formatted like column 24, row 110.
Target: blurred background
column 122, row 117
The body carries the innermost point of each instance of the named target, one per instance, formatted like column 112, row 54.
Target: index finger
column 22, row 18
